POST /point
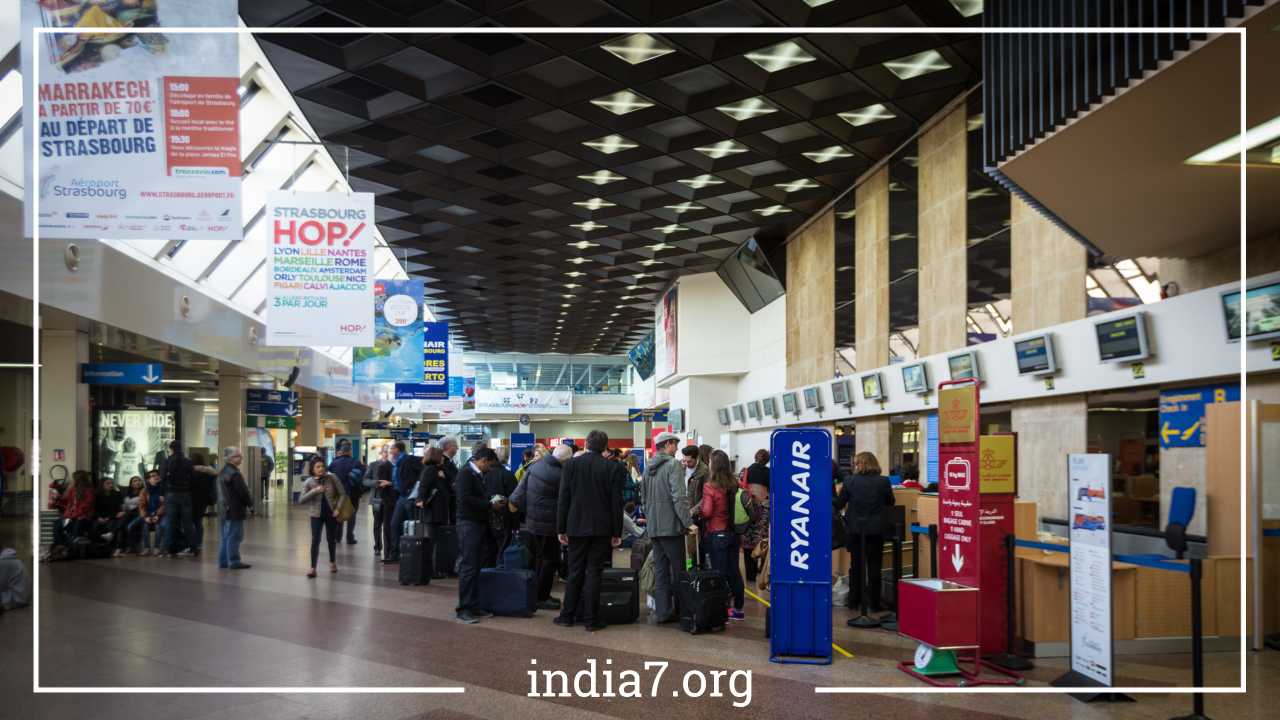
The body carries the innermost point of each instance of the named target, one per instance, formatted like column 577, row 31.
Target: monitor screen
column 753, row 410
column 1035, row 355
column 770, row 408
column 812, row 400
column 871, row 389
column 914, row 379
column 1123, row 339
column 750, row 277
column 724, row 415
column 963, row 366
column 1261, row 317
column 790, row 403
column 738, row 414
column 840, row 393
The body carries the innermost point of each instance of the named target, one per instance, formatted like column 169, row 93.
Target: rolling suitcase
column 508, row 592
column 619, row 597
column 444, row 547
column 703, row 597
column 416, row 567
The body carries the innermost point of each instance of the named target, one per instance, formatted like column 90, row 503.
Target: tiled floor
column 139, row 622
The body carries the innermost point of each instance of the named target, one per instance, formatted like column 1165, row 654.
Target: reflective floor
column 183, row 623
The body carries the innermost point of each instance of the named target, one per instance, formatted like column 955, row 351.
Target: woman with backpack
column 719, row 498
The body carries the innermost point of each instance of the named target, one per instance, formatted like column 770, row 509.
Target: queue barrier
column 932, row 532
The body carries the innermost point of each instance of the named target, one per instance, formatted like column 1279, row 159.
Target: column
column 1048, row 287
column 871, row 298
column 310, row 432
column 811, row 302
column 64, row 401
column 230, row 408
column 943, row 251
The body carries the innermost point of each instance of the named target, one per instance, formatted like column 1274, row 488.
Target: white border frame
column 982, row 690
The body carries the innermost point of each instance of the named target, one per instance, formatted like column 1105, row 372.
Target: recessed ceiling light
column 981, row 193
column 774, row 210
column 180, row 381
column 722, row 149
column 922, row 63
column 610, row 144
column 565, row 305
column 974, row 122
column 571, row 285
column 847, row 214
column 622, row 102
column 828, row 154
column 170, row 392
column 794, row 185
column 587, row 226
column 911, row 161
column 594, row 203
column 649, row 262
column 701, row 181
column 578, row 260
column 668, row 229
column 844, row 268
column 966, row 8
column 747, row 109
column 601, row 177
column 901, row 236
column 1230, row 148
column 639, row 48
column 867, row 115
column 205, row 399
column 583, row 245
column 784, row 55
column 682, row 207
column 575, row 273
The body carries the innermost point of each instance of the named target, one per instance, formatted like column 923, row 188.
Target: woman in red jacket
column 718, row 495
column 77, row 509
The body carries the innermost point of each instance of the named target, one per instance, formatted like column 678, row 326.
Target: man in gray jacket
column 666, row 508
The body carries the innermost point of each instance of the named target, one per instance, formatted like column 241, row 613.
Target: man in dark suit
column 406, row 469
column 475, row 506
column 589, row 522
column 449, row 448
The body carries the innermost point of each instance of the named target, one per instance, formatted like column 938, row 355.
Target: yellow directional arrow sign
column 1167, row 432
column 1186, row 434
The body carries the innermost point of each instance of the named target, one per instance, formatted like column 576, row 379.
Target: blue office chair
column 1182, row 506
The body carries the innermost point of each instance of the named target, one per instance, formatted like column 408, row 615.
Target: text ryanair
column 799, row 557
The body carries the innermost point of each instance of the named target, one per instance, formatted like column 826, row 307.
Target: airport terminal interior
column 611, row 358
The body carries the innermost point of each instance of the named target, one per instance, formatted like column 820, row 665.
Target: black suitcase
column 444, row 547
column 416, row 567
column 703, row 597
column 508, row 592
column 619, row 597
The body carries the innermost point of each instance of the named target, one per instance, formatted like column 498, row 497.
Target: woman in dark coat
column 433, row 490
column 867, row 494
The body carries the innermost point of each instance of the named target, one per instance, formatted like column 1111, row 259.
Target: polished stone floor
column 151, row 622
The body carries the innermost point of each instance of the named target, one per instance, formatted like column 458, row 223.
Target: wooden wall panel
column 811, row 303
column 871, row 271
column 943, row 246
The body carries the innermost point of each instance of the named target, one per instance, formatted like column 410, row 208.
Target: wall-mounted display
column 791, row 403
column 770, row 408
column 1261, row 315
column 753, row 410
column 723, row 414
column 915, row 379
column 1123, row 339
column 1035, row 355
column 871, row 388
column 812, row 399
column 737, row 414
column 840, row 393
column 963, row 366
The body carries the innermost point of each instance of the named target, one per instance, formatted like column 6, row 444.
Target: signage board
column 1182, row 412
column 1089, row 500
column 541, row 402
column 999, row 467
column 319, row 269
column 959, row 469
column 274, row 396
column 519, row 443
column 271, row 402
column 121, row 373
column 130, row 442
column 270, row 422
column 435, row 360
column 958, row 413
column 139, row 133
column 639, row 415
column 398, row 340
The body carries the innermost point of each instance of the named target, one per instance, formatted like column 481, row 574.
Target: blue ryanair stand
column 800, row 546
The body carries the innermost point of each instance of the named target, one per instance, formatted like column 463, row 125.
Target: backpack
column 354, row 482
column 745, row 513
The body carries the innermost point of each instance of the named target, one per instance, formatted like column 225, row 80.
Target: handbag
column 839, row 534
column 345, row 510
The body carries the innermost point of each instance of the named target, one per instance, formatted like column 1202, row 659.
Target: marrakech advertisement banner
column 139, row 129
column 396, row 354
column 544, row 402
column 320, row 270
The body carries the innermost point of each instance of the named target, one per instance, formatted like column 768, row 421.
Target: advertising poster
column 666, row 338
column 320, row 269
column 543, row 402
column 131, row 442
column 463, row 388
column 398, row 336
column 139, row 133
column 1089, row 498
column 641, row 357
column 435, row 359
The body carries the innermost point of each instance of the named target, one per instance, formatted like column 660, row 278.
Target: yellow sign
column 1139, row 371
column 957, row 414
column 1275, row 352
column 998, row 464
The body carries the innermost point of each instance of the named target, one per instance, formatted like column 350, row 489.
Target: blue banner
column 1182, row 413
column 396, row 354
column 519, row 443
column 121, row 373
column 435, row 360
column 276, row 396
column 800, row 552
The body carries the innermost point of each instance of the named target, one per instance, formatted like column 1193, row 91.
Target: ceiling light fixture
column 649, row 262
column 658, row 248
column 1230, row 148
column 966, row 8
column 577, row 260
column 922, row 63
column 206, row 399
column 844, row 268
column 786, row 54
column 575, row 273
column 622, row 102
column 610, row 144
column 180, row 381
column 794, row 185
column 587, row 226
column 774, row 210
column 682, row 207
column 668, row 229
column 701, row 181
column 594, row 203
column 583, row 245
column 638, row 48
column 828, row 154
column 170, row 392
column 747, row 109
column 867, row 115
column 847, row 214
column 601, row 177
column 722, row 149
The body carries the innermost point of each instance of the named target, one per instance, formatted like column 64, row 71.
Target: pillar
column 871, row 298
column 1048, row 287
column 310, row 427
column 943, row 228
column 230, row 408
column 811, row 302
column 64, row 401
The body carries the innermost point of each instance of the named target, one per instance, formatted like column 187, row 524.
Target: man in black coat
column 236, row 503
column 589, row 522
column 475, row 506
column 538, row 497
column 341, row 467
column 406, row 470
column 449, row 448
column 177, row 475
column 499, row 481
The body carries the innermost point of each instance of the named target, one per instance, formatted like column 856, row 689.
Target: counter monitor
column 915, row 380
column 840, row 393
column 1261, row 316
column 790, row 403
column 871, row 389
column 1035, row 355
column 963, row 366
column 1122, row 339
column 812, row 399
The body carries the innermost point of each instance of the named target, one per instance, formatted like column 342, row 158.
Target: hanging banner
column 320, row 263
column 666, row 338
column 435, row 360
column 396, row 355
column 542, row 402
column 641, row 357
column 139, row 132
column 1089, row 498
